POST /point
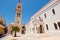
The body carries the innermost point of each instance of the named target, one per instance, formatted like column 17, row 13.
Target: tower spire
column 19, row 1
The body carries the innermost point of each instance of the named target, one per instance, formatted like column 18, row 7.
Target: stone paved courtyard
column 31, row 37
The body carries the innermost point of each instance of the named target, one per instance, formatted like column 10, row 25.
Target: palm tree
column 15, row 29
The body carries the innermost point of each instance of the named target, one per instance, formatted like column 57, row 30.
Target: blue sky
column 29, row 8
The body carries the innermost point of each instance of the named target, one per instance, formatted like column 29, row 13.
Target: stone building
column 10, row 28
column 3, row 28
column 18, row 18
column 46, row 19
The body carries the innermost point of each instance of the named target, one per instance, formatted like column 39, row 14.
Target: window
column 32, row 21
column 18, row 14
column 4, row 25
column 53, row 11
column 1, row 22
column 17, row 21
column 19, row 6
column 33, row 30
column 47, row 26
column 59, row 24
column 45, row 15
column 40, row 19
column 36, row 28
column 55, row 25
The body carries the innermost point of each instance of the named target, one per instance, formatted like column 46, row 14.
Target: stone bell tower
column 18, row 15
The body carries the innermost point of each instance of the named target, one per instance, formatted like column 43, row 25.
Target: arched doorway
column 41, row 29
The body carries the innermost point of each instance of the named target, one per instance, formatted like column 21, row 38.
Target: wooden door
column 41, row 29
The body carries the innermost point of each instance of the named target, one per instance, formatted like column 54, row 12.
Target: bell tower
column 18, row 15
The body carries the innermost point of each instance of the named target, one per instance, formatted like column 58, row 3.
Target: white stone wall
column 51, row 18
column 27, row 28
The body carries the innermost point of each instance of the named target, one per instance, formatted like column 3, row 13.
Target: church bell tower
column 18, row 15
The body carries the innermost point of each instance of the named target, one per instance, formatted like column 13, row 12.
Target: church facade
column 45, row 20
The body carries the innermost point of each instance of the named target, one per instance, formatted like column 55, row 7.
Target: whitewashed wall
column 51, row 18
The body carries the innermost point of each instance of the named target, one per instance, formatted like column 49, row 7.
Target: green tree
column 15, row 29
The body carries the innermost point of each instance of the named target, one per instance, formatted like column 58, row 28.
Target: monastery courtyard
column 43, row 36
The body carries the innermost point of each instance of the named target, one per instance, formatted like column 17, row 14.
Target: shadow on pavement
column 2, row 36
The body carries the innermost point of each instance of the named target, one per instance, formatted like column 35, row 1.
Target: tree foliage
column 15, row 28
